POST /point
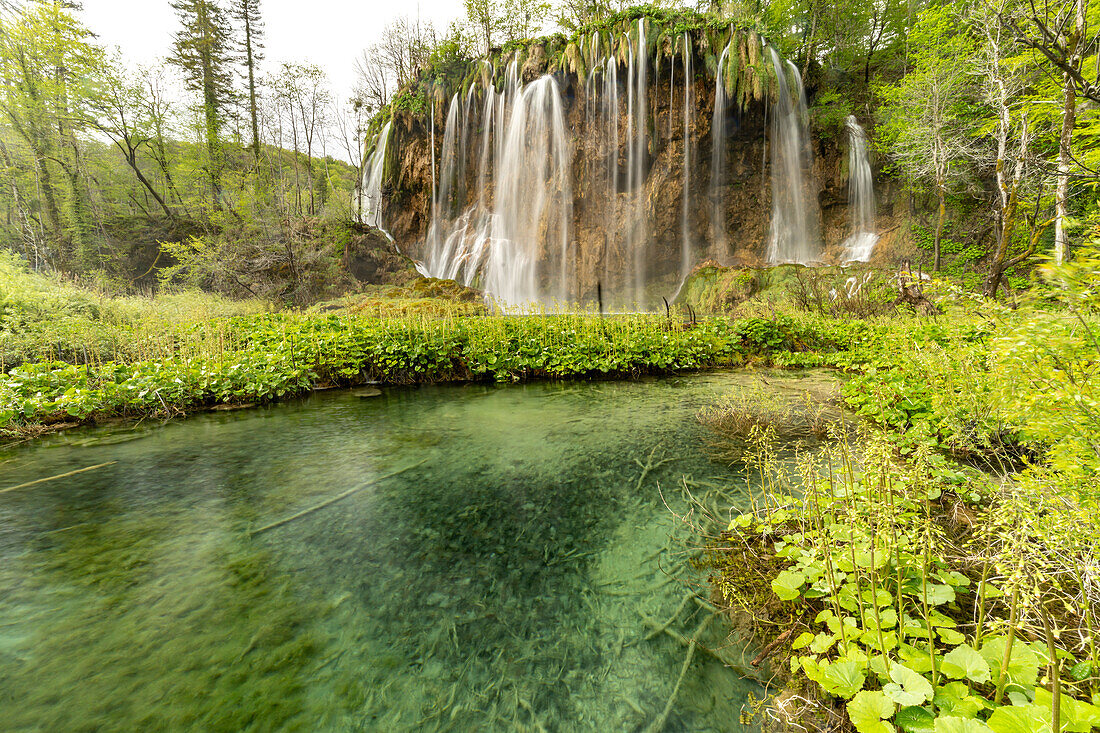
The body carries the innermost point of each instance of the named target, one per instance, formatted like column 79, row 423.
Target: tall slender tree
column 247, row 13
column 202, row 50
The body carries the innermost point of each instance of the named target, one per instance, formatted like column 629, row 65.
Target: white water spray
column 514, row 241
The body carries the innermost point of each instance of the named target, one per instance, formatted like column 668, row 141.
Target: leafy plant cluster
column 897, row 623
column 279, row 355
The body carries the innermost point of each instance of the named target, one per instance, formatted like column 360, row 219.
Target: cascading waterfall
column 718, row 144
column 637, row 122
column 512, row 235
column 372, row 179
column 611, row 137
column 522, row 218
column 861, row 195
column 794, row 231
column 533, row 214
column 685, row 204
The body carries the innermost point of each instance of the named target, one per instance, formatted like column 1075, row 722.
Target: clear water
column 507, row 581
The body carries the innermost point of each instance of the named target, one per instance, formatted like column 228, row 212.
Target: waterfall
column 637, row 225
column 861, row 195
column 514, row 241
column 502, row 206
column 689, row 113
column 611, row 139
column 794, row 232
column 372, row 179
column 718, row 151
column 533, row 214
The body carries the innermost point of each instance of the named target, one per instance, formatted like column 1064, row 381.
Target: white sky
column 328, row 33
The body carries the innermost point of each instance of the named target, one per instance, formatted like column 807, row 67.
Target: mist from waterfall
column 861, row 195
column 794, row 233
column 371, row 203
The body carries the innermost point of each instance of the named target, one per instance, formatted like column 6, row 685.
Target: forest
column 585, row 365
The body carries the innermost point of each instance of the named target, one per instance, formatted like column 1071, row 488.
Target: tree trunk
column 131, row 159
column 1065, row 138
column 941, row 218
column 210, row 112
column 249, row 58
column 1065, row 152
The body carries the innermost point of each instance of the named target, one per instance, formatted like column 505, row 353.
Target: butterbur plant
column 906, row 620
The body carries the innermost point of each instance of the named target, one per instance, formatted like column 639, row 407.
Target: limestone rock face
column 372, row 259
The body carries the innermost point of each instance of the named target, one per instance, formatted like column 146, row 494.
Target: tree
column 247, row 12
column 1058, row 32
column 1003, row 82
column 122, row 116
column 201, row 49
column 313, row 99
column 391, row 63
column 486, row 18
column 524, row 18
column 923, row 120
column 352, row 120
column 47, row 70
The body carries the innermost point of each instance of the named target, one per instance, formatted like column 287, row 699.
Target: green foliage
column 266, row 357
column 866, row 556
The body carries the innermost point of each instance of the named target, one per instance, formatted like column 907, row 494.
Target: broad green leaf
column 1076, row 716
column 1023, row 667
column 843, row 679
column 803, row 639
column 1081, row 671
column 867, row 709
column 1020, row 719
column 914, row 719
column 950, row 636
column 940, row 593
column 955, row 699
column 823, row 642
column 915, row 658
column 965, row 663
column 787, row 584
column 908, row 687
column 956, row 724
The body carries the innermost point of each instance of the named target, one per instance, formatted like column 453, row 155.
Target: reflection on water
column 507, row 579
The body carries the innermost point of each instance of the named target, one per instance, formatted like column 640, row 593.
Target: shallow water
column 500, row 567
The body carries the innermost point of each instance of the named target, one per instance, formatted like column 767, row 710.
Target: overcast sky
column 328, row 33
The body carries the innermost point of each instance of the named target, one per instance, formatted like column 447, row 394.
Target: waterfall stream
column 718, row 152
column 372, row 179
column 685, row 206
column 861, row 195
column 794, row 231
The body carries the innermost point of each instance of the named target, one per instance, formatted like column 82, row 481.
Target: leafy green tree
column 925, row 123
column 123, row 116
column 486, row 17
column 202, row 49
column 48, row 70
